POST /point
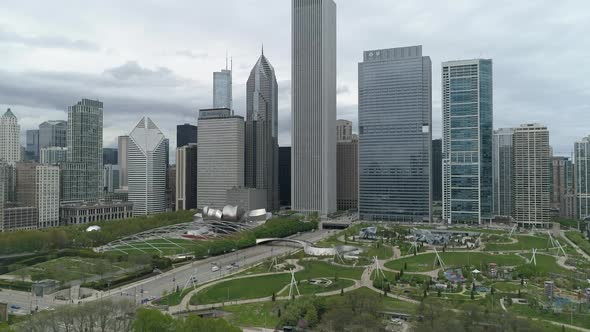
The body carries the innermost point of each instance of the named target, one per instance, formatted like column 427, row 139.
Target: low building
column 74, row 213
column 19, row 218
column 247, row 198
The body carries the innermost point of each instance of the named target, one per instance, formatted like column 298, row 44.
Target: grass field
column 262, row 314
column 242, row 289
column 160, row 247
column 424, row 262
column 73, row 268
column 525, row 242
column 575, row 318
column 389, row 303
column 173, row 298
column 315, row 269
column 579, row 240
column 306, row 288
column 546, row 264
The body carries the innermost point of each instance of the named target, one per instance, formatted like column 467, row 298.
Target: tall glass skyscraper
column 582, row 177
column 395, row 112
column 222, row 91
column 467, row 140
column 262, row 144
column 502, row 160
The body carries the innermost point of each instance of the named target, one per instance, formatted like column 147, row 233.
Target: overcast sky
column 156, row 58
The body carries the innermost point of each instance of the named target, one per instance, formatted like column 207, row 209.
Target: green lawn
column 160, row 247
column 575, row 318
column 579, row 240
column 525, row 242
column 389, row 303
column 424, row 262
column 316, row 269
column 242, row 289
column 73, row 268
column 306, row 288
column 173, row 298
column 546, row 264
column 262, row 314
column 383, row 252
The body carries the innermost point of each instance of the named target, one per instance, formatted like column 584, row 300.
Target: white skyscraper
column 122, row 159
column 47, row 186
column 10, row 149
column 146, row 167
column 220, row 164
column 313, row 104
column 222, row 91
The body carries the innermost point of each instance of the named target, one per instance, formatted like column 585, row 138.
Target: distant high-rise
column 32, row 147
column 186, row 177
column 285, row 176
column 562, row 170
column 467, row 107
column 262, row 145
column 53, row 155
column 110, row 156
column 38, row 186
column 186, row 134
column 347, row 154
column 436, row 176
column 531, row 177
column 313, row 105
column 582, row 177
column 123, row 143
column 146, row 167
column 53, row 133
column 395, row 111
column 82, row 176
column 502, row 170
column 10, row 149
column 221, row 156
column 343, row 130
column 222, row 88
column 110, row 178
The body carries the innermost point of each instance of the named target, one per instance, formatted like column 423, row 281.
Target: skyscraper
column 531, row 177
column 110, row 178
column 395, row 135
column 82, row 176
column 285, row 175
column 38, row 186
column 10, row 149
column 53, row 155
column 186, row 134
column 222, row 88
column 122, row 159
column 110, row 156
column 221, row 156
column 467, row 107
column 562, row 170
column 262, row 145
column 313, row 105
column 186, row 177
column 582, row 177
column 53, row 133
column 146, row 166
column 347, row 154
column 32, row 147
column 343, row 130
column 436, row 177
column 502, row 170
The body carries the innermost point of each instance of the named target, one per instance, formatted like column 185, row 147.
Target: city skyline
column 134, row 78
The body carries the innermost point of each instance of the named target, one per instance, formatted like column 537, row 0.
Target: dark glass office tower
column 395, row 111
column 285, row 176
column 186, row 134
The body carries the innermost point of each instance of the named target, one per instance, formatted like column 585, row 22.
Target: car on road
column 15, row 307
column 228, row 267
column 214, row 268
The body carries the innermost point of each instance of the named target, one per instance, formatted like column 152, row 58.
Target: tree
column 405, row 265
column 438, row 293
column 472, row 295
column 341, row 291
column 151, row 320
column 492, row 290
column 273, row 297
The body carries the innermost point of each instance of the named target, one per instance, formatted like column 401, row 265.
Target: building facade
column 32, row 147
column 76, row 213
column 343, row 130
column 123, row 143
column 436, row 177
column 467, row 106
column 582, row 177
column 347, row 173
column 53, row 155
column 147, row 169
column 186, row 134
column 222, row 89
column 38, row 186
column 395, row 135
column 531, row 177
column 53, row 133
column 10, row 149
column 186, row 177
column 220, row 165
column 110, row 156
column 562, row 175
column 502, row 170
column 285, row 176
column 262, row 143
column 110, row 178
column 313, row 105
column 18, row 218
column 82, row 173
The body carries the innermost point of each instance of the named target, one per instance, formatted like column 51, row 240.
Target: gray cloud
column 191, row 54
column 46, row 41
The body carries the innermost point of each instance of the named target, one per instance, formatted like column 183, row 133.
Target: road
column 167, row 281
